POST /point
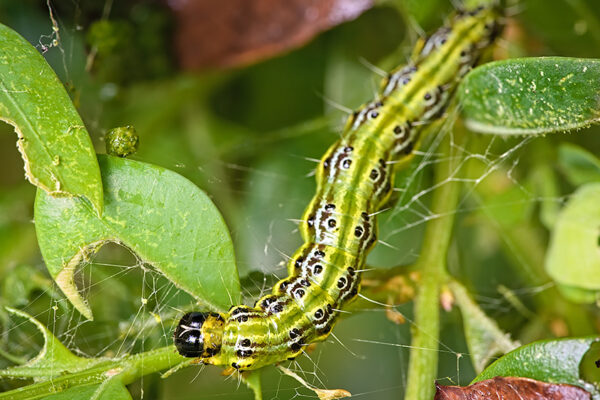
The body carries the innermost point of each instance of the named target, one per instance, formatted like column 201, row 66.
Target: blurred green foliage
column 246, row 137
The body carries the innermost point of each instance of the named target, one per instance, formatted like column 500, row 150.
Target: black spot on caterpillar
column 339, row 230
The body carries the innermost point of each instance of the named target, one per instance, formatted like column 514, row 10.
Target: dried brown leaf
column 217, row 33
column 394, row 315
column 323, row 394
column 511, row 388
column 332, row 394
column 447, row 299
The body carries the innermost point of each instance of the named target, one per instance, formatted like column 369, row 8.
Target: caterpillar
column 354, row 179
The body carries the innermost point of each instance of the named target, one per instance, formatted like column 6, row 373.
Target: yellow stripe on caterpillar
column 354, row 180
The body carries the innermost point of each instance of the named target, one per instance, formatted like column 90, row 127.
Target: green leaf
column 102, row 378
column 57, row 150
column 484, row 339
column 554, row 361
column 588, row 368
column 59, row 374
column 110, row 389
column 544, row 183
column 531, row 95
column 161, row 216
column 53, row 359
column 572, row 259
column 21, row 281
column 579, row 165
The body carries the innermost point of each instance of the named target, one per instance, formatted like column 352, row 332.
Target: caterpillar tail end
column 199, row 335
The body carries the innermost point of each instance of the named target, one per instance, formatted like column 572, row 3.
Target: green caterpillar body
column 354, row 180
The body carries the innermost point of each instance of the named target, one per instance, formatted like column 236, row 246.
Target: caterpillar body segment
column 354, row 180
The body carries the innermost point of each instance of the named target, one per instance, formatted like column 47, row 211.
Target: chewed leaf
column 23, row 280
column 111, row 389
column 104, row 378
column 161, row 216
column 53, row 359
column 554, row 361
column 484, row 339
column 511, row 388
column 531, row 95
column 572, row 259
column 57, row 150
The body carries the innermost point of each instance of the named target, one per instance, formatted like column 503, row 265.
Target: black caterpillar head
column 199, row 334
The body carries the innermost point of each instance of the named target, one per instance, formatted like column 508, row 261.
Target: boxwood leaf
column 511, row 388
column 531, row 95
column 572, row 259
column 53, row 359
column 554, row 361
column 484, row 338
column 579, row 165
column 110, row 389
column 57, row 150
column 161, row 216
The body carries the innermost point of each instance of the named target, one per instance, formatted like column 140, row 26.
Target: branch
column 422, row 369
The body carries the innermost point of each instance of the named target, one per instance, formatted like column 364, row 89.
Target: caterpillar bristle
column 355, row 181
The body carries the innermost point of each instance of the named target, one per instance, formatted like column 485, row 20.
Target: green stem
column 129, row 369
column 422, row 369
column 135, row 366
